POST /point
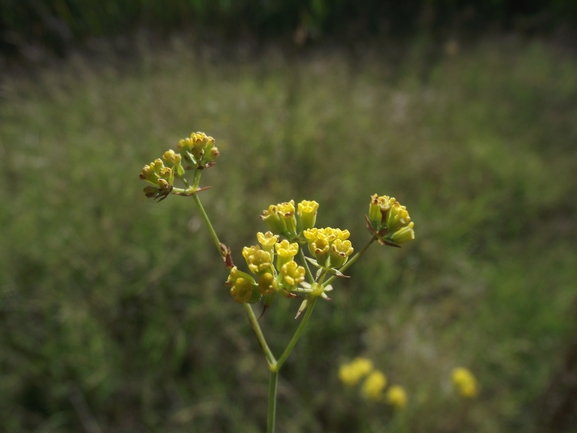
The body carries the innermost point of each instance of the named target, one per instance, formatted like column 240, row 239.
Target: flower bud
column 375, row 216
column 267, row 284
column 273, row 221
column 397, row 217
column 243, row 287
column 403, row 235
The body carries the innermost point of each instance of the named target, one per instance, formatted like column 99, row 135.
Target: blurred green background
column 114, row 316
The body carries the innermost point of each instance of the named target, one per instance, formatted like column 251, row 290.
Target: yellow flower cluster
column 198, row 151
column 280, row 219
column 465, row 382
column 374, row 384
column 281, row 278
column 160, row 178
column 272, row 262
column 350, row 374
column 389, row 221
column 330, row 247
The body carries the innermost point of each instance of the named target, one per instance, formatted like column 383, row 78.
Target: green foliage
column 60, row 24
column 113, row 309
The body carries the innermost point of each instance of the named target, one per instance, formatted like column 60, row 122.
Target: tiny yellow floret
column 307, row 213
column 292, row 274
column 267, row 240
column 258, row 260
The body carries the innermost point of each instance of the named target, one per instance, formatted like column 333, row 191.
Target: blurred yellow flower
column 373, row 385
column 351, row 373
column 465, row 382
column 397, row 397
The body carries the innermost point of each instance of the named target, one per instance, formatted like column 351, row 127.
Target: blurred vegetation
column 61, row 24
column 113, row 312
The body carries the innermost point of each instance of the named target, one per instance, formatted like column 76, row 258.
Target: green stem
column 271, row 417
column 270, row 359
column 351, row 261
column 208, row 223
column 307, row 269
column 298, row 332
column 196, row 180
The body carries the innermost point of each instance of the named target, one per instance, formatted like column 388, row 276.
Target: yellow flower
column 281, row 219
column 329, row 242
column 267, row 284
column 242, row 287
column 258, row 260
column 465, row 382
column 292, row 274
column 397, row 397
column 267, row 240
column 373, row 385
column 340, row 252
column 351, row 373
column 285, row 252
column 307, row 213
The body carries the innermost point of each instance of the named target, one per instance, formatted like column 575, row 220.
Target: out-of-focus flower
column 351, row 373
column 374, row 385
column 465, row 382
column 397, row 397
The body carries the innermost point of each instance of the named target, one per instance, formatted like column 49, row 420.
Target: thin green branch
column 209, row 224
column 307, row 268
column 351, row 261
column 298, row 332
column 270, row 359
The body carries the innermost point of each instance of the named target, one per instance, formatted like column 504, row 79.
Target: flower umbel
column 198, row 152
column 389, row 222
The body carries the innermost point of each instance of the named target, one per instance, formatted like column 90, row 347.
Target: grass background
column 113, row 312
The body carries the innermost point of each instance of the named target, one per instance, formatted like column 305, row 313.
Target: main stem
column 271, row 416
